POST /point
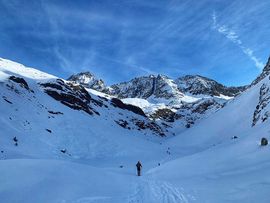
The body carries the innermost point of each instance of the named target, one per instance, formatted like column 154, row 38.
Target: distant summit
column 88, row 80
column 159, row 86
column 182, row 101
column 199, row 85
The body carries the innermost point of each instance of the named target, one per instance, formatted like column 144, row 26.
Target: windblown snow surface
column 86, row 159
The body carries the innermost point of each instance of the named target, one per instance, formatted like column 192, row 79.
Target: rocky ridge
column 185, row 100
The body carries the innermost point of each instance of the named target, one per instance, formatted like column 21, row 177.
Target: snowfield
column 55, row 153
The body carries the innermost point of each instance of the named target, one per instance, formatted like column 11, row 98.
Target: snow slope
column 44, row 126
column 222, row 158
column 88, row 157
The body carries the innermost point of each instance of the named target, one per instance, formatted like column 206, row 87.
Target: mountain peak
column 88, row 80
column 266, row 69
column 200, row 85
column 157, row 86
column 265, row 72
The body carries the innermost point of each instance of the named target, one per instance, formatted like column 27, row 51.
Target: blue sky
column 227, row 40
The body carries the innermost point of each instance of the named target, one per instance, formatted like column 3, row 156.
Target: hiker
column 139, row 166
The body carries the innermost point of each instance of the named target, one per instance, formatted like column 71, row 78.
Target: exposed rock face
column 205, row 105
column 191, row 112
column 164, row 114
column 166, row 88
column 264, row 141
column 262, row 112
column 199, row 85
column 118, row 103
column 73, row 96
column 138, row 124
column 76, row 97
column 88, row 80
column 20, row 81
column 137, row 88
column 159, row 86
column 149, row 125
column 18, row 85
column 144, row 87
column 265, row 72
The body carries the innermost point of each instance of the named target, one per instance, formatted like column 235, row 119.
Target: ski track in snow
column 147, row 190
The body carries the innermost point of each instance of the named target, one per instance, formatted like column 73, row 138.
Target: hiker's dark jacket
column 139, row 166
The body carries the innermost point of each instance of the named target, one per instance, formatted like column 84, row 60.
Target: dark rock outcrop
column 149, row 125
column 119, row 104
column 261, row 113
column 264, row 141
column 205, row 105
column 164, row 114
column 265, row 72
column 55, row 112
column 20, row 81
column 138, row 124
column 123, row 123
column 73, row 96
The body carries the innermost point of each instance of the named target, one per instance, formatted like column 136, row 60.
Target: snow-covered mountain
column 62, row 142
column 88, row 80
column 226, row 150
column 199, row 85
column 183, row 101
column 159, row 87
column 38, row 109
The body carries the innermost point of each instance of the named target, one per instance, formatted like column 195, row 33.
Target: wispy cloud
column 234, row 38
column 119, row 41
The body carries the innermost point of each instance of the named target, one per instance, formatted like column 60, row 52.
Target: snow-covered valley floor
column 50, row 153
column 204, row 177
